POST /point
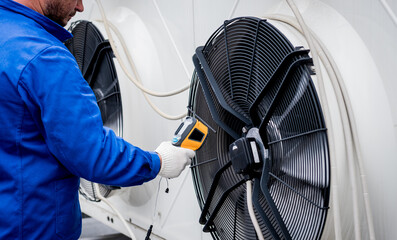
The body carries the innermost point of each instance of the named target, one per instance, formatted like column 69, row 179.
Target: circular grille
column 95, row 59
column 266, row 82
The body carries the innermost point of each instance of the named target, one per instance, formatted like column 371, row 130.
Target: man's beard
column 56, row 12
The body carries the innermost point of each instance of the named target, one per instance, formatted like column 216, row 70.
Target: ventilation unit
column 253, row 88
column 95, row 59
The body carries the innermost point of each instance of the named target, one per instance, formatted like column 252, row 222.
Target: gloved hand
column 173, row 159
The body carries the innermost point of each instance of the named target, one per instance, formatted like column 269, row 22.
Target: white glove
column 173, row 159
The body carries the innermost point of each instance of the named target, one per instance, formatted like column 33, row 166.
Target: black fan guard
column 95, row 59
column 249, row 75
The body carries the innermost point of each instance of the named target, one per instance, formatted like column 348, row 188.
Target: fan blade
column 278, row 75
column 268, row 99
column 278, row 96
column 212, row 192
column 212, row 93
column 107, row 96
column 107, row 92
column 214, row 85
column 99, row 52
column 266, row 220
column 219, row 204
column 303, row 185
column 265, row 191
column 112, row 115
column 303, row 158
column 307, row 204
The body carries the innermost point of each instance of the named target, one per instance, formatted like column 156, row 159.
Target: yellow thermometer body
column 190, row 134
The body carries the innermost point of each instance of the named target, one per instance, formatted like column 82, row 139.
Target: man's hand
column 173, row 159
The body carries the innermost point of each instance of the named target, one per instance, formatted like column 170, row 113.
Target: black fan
column 255, row 90
column 95, row 59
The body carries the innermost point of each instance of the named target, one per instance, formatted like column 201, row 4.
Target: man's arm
column 65, row 110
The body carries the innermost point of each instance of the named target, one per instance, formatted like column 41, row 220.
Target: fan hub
column 246, row 154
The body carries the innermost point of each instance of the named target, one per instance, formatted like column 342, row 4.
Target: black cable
column 149, row 231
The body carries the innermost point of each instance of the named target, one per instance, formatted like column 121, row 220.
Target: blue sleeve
column 65, row 110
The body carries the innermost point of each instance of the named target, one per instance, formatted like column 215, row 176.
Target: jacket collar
column 50, row 26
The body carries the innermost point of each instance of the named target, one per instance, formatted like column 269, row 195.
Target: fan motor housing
column 245, row 156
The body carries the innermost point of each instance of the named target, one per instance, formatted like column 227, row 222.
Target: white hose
column 136, row 80
column 302, row 27
column 332, row 150
column 251, row 211
column 389, row 11
column 98, row 193
column 356, row 142
column 131, row 62
column 349, row 126
column 236, row 2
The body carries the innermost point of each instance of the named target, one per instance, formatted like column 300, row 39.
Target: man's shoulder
column 25, row 36
column 29, row 44
column 24, row 42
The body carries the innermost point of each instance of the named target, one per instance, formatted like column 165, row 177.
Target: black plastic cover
column 244, row 158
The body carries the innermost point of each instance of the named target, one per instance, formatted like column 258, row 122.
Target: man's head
column 60, row 11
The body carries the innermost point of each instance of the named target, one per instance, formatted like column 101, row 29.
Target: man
column 51, row 132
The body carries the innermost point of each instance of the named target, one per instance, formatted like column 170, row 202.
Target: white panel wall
column 361, row 36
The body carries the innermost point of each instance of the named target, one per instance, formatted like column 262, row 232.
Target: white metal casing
column 360, row 36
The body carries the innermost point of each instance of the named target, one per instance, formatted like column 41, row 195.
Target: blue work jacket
column 51, row 132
